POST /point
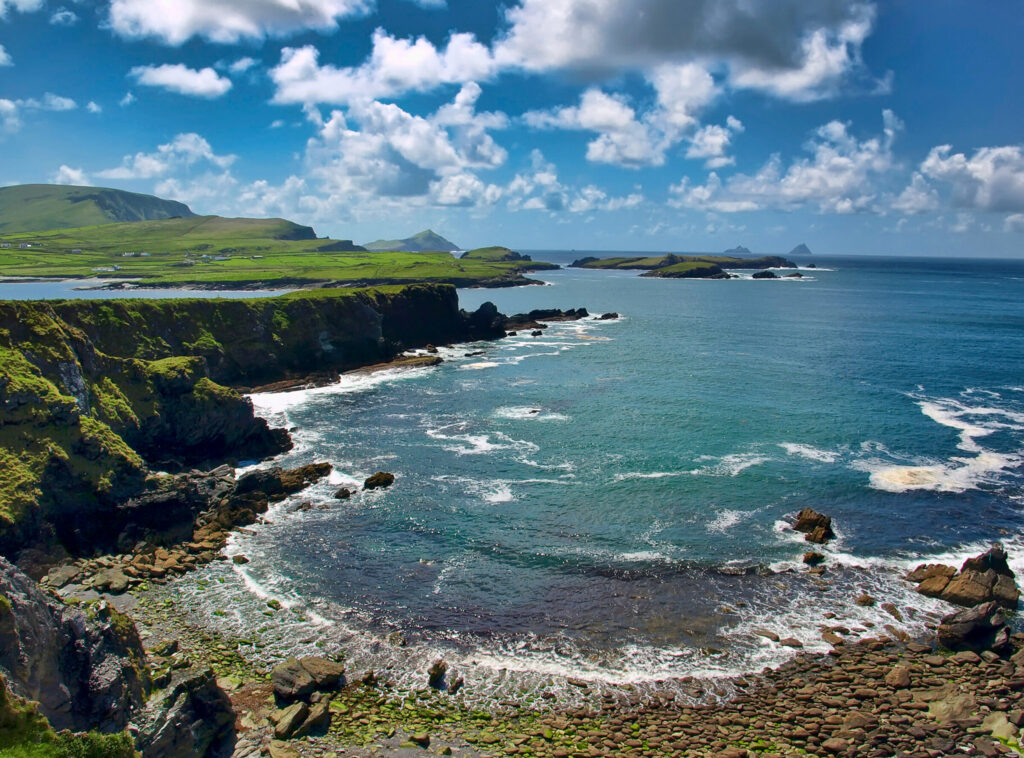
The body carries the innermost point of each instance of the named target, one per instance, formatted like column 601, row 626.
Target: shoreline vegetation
column 689, row 266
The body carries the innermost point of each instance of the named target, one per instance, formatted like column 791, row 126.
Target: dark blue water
column 610, row 499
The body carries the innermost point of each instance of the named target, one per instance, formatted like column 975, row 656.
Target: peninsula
column 135, row 237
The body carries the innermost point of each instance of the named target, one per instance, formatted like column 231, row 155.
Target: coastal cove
column 609, row 501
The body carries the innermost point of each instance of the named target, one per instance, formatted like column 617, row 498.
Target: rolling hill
column 425, row 240
column 41, row 207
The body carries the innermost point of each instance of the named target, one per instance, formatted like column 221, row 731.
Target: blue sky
column 688, row 125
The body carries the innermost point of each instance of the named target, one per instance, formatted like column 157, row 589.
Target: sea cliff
column 95, row 395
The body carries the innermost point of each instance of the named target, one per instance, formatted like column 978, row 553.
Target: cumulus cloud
column 540, row 189
column 185, row 150
column 50, row 102
column 24, row 6
column 127, row 100
column 177, row 77
column 918, row 197
column 789, row 48
column 94, row 107
column 67, row 175
column 10, row 116
column 395, row 66
column 990, row 180
column 64, row 17
column 713, row 141
column 628, row 138
column 227, row 21
column 1014, row 223
column 839, row 177
column 5, row 58
column 242, row 65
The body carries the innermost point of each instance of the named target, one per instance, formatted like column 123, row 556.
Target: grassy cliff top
column 680, row 263
column 230, row 253
column 38, row 207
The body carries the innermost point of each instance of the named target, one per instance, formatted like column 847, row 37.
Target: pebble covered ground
column 875, row 697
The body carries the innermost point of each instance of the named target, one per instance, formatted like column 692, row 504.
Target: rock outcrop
column 816, row 527
column 982, row 579
column 982, row 627
column 190, row 717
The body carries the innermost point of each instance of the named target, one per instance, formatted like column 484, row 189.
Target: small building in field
column 76, row 250
column 24, row 245
column 5, row 244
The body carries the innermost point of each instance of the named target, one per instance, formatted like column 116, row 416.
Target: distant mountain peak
column 801, row 249
column 428, row 239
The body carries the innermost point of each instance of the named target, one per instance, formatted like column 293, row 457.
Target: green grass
column 684, row 263
column 254, row 256
column 34, row 207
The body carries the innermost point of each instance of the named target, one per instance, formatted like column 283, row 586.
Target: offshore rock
column 382, row 479
column 817, row 527
column 981, row 579
column 278, row 483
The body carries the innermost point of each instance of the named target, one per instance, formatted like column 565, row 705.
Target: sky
column 855, row 127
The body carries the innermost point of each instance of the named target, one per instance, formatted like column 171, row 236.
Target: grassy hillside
column 38, row 207
column 251, row 252
column 421, row 242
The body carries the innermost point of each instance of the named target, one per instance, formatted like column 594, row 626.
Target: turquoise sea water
column 609, row 500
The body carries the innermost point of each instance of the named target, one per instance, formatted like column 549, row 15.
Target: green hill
column 40, row 207
column 425, row 240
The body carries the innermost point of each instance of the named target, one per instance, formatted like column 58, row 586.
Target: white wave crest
column 809, row 452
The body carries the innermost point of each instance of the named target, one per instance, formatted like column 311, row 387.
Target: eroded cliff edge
column 94, row 395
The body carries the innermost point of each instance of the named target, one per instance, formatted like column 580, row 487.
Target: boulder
column 817, row 527
column 435, row 674
column 813, row 559
column 343, row 494
column 298, row 678
column 291, row 681
column 982, row 627
column 930, row 570
column 981, row 579
column 381, row 479
column 764, row 275
column 318, row 721
column 288, row 720
column 611, row 316
column 191, row 717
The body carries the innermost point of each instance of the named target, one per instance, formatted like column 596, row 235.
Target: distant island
column 424, row 241
column 801, row 249
column 52, row 231
column 738, row 250
column 685, row 266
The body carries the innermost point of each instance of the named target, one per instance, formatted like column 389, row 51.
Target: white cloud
column 10, row 117
column 50, row 102
column 839, row 177
column 94, row 107
column 1014, row 223
column 5, row 57
column 622, row 138
column 827, row 56
column 395, row 66
column 712, row 142
column 68, row 175
column 127, row 100
column 918, row 197
column 242, row 65
column 227, row 21
column 990, row 180
column 24, row 6
column 789, row 48
column 179, row 78
column 682, row 91
column 540, row 189
column 183, row 151
column 64, row 17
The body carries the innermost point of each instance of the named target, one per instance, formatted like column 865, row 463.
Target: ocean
column 610, row 501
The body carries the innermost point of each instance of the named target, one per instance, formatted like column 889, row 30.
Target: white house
column 5, row 244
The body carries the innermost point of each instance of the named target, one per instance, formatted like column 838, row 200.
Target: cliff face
column 94, row 392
